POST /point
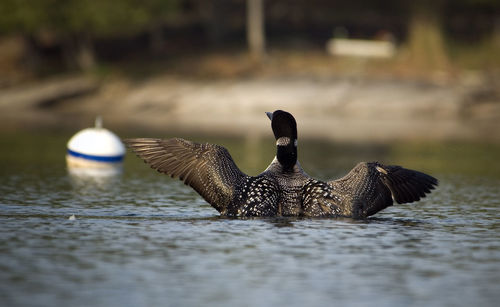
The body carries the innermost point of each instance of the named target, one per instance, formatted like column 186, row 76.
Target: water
column 142, row 239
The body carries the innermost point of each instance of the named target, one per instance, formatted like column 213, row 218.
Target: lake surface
column 143, row 239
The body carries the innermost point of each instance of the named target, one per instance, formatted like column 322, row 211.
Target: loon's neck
column 286, row 153
column 277, row 167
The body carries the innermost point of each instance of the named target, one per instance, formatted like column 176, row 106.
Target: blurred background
column 348, row 70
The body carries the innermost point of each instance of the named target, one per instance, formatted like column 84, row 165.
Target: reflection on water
column 87, row 180
column 140, row 238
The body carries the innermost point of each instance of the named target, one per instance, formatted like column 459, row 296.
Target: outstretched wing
column 371, row 187
column 207, row 168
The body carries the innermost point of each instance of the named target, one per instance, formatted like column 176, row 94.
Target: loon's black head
column 285, row 131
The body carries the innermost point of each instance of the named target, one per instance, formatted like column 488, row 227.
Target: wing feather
column 209, row 169
column 371, row 187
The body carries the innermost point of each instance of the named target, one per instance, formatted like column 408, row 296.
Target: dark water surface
column 142, row 239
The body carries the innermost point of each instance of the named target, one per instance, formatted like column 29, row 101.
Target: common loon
column 283, row 189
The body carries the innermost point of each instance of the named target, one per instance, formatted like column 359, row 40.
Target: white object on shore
column 361, row 48
column 72, row 217
column 95, row 148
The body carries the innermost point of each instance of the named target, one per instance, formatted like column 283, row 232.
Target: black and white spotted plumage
column 283, row 189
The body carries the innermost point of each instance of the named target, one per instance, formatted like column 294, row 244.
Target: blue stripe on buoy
column 96, row 158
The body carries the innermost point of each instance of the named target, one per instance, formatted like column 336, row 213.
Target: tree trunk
column 156, row 39
column 213, row 16
column 255, row 29
column 496, row 33
column 78, row 52
column 31, row 57
column 85, row 56
column 426, row 39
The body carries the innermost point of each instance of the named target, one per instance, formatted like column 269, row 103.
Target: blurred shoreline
column 351, row 105
column 355, row 71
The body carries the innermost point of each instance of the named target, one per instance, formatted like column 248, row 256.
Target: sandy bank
column 354, row 109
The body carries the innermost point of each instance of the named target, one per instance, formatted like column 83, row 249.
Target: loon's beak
column 270, row 115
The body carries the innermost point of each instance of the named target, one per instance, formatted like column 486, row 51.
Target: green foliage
column 22, row 15
column 97, row 18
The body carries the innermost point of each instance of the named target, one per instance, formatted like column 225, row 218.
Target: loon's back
column 290, row 187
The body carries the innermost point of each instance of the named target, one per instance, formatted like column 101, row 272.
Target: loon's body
column 283, row 189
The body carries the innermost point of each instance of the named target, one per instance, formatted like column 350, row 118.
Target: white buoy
column 95, row 148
